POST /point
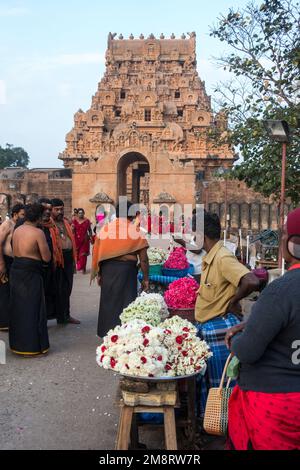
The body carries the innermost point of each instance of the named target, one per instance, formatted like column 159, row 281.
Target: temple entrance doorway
column 134, row 177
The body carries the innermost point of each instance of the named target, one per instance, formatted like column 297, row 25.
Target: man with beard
column 49, row 268
column 65, row 258
column 6, row 259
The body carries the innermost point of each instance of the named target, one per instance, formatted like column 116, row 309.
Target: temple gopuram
column 146, row 134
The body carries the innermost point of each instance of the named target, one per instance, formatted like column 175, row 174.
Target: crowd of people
column 264, row 409
column 40, row 249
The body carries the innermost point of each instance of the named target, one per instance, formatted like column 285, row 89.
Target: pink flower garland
column 177, row 259
column 182, row 293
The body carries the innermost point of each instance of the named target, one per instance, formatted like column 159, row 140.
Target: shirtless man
column 29, row 240
column 6, row 259
column 64, row 273
column 6, row 231
column 28, row 334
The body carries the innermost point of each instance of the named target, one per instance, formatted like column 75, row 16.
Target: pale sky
column 52, row 58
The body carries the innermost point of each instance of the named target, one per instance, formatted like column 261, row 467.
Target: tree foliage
column 11, row 156
column 264, row 59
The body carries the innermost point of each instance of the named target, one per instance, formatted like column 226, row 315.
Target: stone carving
column 172, row 132
column 164, row 197
column 101, row 198
column 111, row 36
column 150, row 101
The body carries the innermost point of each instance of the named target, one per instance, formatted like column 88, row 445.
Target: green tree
column 264, row 59
column 11, row 156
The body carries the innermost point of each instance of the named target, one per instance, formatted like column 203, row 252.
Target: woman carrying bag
column 264, row 408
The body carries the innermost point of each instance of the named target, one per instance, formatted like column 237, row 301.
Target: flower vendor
column 264, row 409
column 224, row 282
column 118, row 247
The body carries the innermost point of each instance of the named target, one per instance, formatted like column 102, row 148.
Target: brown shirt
column 221, row 275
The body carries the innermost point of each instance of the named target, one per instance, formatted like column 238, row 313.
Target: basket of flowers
column 180, row 298
column 150, row 308
column 156, row 257
column 177, row 264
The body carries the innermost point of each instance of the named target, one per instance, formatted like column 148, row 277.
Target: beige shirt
column 221, row 275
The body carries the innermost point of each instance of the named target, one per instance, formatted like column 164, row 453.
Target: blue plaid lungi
column 213, row 332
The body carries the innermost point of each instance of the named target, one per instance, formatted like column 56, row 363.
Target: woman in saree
column 82, row 234
column 264, row 408
column 118, row 248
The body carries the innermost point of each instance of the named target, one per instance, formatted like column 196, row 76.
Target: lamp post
column 279, row 132
column 222, row 172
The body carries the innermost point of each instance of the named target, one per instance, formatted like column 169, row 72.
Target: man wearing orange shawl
column 64, row 257
column 118, row 246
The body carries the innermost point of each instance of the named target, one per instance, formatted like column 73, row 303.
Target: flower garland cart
column 153, row 360
column 165, row 268
column 156, row 257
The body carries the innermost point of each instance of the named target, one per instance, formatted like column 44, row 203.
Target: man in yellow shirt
column 224, row 282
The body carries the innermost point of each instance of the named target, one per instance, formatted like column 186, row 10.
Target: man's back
column 30, row 242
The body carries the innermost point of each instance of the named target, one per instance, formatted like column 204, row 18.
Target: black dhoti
column 49, row 280
column 28, row 333
column 4, row 296
column 50, row 291
column 64, row 285
column 118, row 290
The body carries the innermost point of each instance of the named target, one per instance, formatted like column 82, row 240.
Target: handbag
column 216, row 410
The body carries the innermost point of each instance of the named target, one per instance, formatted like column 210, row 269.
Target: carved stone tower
column 146, row 134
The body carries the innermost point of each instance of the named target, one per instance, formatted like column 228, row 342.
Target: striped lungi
column 214, row 332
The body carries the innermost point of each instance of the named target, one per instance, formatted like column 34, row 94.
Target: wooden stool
column 152, row 402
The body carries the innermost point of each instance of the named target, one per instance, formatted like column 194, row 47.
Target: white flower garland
column 151, row 308
column 139, row 349
column 157, row 256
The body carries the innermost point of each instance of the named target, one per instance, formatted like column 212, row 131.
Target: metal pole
column 225, row 208
column 206, row 198
column 282, row 200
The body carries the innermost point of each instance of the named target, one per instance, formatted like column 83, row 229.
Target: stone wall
column 21, row 185
column 247, row 210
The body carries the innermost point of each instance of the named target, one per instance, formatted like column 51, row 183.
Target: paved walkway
column 63, row 400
